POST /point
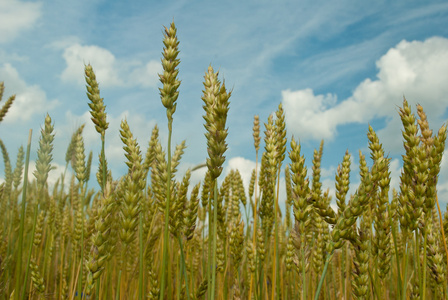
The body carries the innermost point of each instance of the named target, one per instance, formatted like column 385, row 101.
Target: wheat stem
column 22, row 216
column 215, row 224
column 167, row 213
column 324, row 272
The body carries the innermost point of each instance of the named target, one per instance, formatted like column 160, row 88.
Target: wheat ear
column 216, row 106
column 7, row 104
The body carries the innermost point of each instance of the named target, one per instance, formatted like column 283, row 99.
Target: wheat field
column 147, row 235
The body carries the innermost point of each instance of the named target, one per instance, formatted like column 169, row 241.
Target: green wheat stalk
column 169, row 94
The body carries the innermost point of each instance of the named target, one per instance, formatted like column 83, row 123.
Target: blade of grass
column 322, row 277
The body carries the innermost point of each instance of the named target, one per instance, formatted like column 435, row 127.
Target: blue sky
column 336, row 66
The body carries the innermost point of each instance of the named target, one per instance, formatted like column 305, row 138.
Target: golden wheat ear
column 7, row 104
column 98, row 109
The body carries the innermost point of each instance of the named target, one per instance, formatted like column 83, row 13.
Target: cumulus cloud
column 415, row 69
column 244, row 166
column 304, row 113
column 103, row 62
column 108, row 70
column 395, row 173
column 16, row 16
column 30, row 100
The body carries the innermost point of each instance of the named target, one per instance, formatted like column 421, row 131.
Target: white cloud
column 415, row 69
column 395, row 173
column 197, row 175
column 16, row 16
column 309, row 122
column 30, row 100
column 327, row 172
column 108, row 70
column 244, row 166
column 102, row 61
column 146, row 76
column 442, row 186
